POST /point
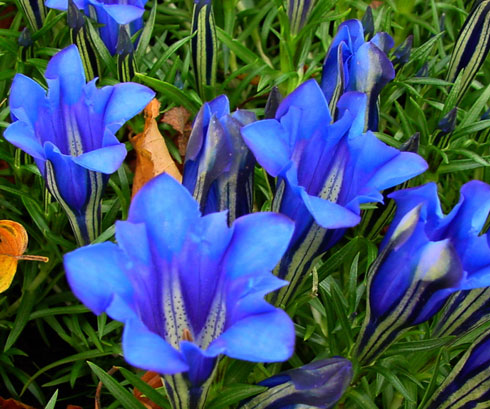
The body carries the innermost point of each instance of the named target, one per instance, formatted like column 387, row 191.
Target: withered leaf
column 13, row 244
column 155, row 381
column 13, row 404
column 152, row 155
column 178, row 119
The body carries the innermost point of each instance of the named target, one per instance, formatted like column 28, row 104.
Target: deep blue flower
column 204, row 48
column 188, row 288
column 219, row 167
column 463, row 312
column 468, row 384
column 319, row 384
column 70, row 133
column 353, row 64
column 298, row 12
column 425, row 257
column 325, row 171
column 111, row 14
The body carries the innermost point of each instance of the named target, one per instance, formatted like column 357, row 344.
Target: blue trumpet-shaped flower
column 319, row 384
column 353, row 64
column 325, row 171
column 463, row 312
column 70, row 134
column 425, row 257
column 298, row 12
column 111, row 14
column 468, row 384
column 219, row 167
column 188, row 288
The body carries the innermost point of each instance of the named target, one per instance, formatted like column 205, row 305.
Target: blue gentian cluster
column 193, row 262
column 111, row 15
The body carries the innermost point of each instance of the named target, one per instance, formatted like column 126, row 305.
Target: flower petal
column 252, row 234
column 306, row 96
column 65, row 76
column 172, row 209
column 329, row 215
column 147, row 350
column 105, row 160
column 126, row 101
column 21, row 135
column 95, row 273
column 63, row 4
column 200, row 364
column 266, row 337
column 122, row 13
column 268, row 141
column 371, row 70
column 26, row 99
column 65, row 172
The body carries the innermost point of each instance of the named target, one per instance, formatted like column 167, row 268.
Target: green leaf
column 241, row 51
column 151, row 393
column 124, row 397
column 471, row 155
column 21, row 318
column 401, row 348
column 83, row 356
column 460, row 165
column 428, row 81
column 167, row 54
column 476, row 108
column 363, row 401
column 146, row 34
column 52, row 401
column 394, row 380
column 171, row 92
column 234, row 394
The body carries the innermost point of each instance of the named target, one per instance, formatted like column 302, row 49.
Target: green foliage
column 47, row 337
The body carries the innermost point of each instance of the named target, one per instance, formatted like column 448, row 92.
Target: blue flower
column 70, row 134
column 204, row 48
column 325, row 171
column 111, row 14
column 468, row 384
column 319, row 384
column 188, row 288
column 352, row 64
column 463, row 312
column 298, row 12
column 219, row 167
column 425, row 257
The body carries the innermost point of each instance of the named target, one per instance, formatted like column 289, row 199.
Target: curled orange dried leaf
column 13, row 244
column 152, row 155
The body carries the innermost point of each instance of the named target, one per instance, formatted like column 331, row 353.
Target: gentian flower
column 468, row 384
column 70, row 134
column 319, row 384
column 35, row 13
column 298, row 12
column 187, row 288
column 352, row 64
column 464, row 311
column 325, row 171
column 402, row 52
column 219, row 167
column 111, row 14
column 424, row 258
column 471, row 48
column 204, row 47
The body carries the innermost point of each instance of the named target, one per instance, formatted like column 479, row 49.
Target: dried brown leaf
column 179, row 119
column 152, row 155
